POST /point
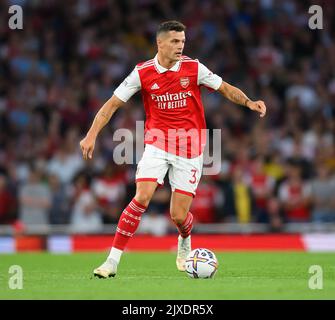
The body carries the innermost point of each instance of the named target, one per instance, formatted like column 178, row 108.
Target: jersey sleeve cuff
column 119, row 95
column 218, row 83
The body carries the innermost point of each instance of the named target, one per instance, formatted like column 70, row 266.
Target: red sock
column 128, row 223
column 186, row 227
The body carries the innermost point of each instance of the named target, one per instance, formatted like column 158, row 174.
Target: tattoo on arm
column 234, row 94
column 104, row 115
column 239, row 98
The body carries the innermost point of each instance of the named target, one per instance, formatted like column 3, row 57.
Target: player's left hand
column 258, row 106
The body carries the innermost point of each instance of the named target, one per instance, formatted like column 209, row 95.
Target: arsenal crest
column 184, row 82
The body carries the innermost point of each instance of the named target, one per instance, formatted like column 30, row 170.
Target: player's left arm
column 237, row 96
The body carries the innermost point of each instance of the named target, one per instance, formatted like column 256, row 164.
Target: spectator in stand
column 242, row 196
column 275, row 215
column 207, row 202
column 322, row 196
column 109, row 190
column 34, row 200
column 85, row 218
column 262, row 190
column 66, row 162
column 226, row 212
column 60, row 202
column 274, row 167
column 328, row 155
column 294, row 195
column 7, row 203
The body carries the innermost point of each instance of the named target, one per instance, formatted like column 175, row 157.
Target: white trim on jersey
column 161, row 69
column 146, row 64
column 132, row 83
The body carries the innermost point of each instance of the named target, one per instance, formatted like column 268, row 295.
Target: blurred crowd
column 71, row 55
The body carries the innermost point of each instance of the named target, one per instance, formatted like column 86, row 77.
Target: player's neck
column 164, row 62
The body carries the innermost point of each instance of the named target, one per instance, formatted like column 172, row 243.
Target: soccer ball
column 201, row 263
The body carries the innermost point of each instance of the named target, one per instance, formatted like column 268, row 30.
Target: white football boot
column 184, row 248
column 106, row 270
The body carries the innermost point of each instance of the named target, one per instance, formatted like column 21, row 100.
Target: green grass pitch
column 142, row 275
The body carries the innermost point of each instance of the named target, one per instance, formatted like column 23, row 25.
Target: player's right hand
column 87, row 147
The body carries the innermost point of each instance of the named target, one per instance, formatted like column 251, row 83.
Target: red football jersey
column 175, row 120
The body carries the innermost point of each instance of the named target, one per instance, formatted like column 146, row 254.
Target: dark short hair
column 172, row 25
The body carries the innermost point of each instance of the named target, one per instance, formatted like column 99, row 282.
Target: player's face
column 171, row 44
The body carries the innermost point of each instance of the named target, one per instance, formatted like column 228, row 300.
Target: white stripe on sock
column 131, row 215
column 135, row 207
column 125, row 233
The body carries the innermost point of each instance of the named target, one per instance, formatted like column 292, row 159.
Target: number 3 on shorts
column 194, row 178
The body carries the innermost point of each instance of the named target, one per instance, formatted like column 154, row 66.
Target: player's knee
column 177, row 216
column 143, row 198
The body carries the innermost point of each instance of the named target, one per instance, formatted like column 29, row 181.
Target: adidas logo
column 154, row 86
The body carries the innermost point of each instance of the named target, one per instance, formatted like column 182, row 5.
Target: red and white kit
column 175, row 127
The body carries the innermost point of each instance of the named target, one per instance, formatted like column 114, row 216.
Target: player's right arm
column 121, row 95
column 101, row 119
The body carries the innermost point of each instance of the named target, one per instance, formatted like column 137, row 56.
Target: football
column 201, row 263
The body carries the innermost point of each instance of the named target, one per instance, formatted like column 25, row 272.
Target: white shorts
column 184, row 174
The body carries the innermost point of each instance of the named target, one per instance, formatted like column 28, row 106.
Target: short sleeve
column 208, row 78
column 129, row 86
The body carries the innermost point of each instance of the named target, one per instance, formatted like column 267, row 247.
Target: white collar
column 161, row 69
